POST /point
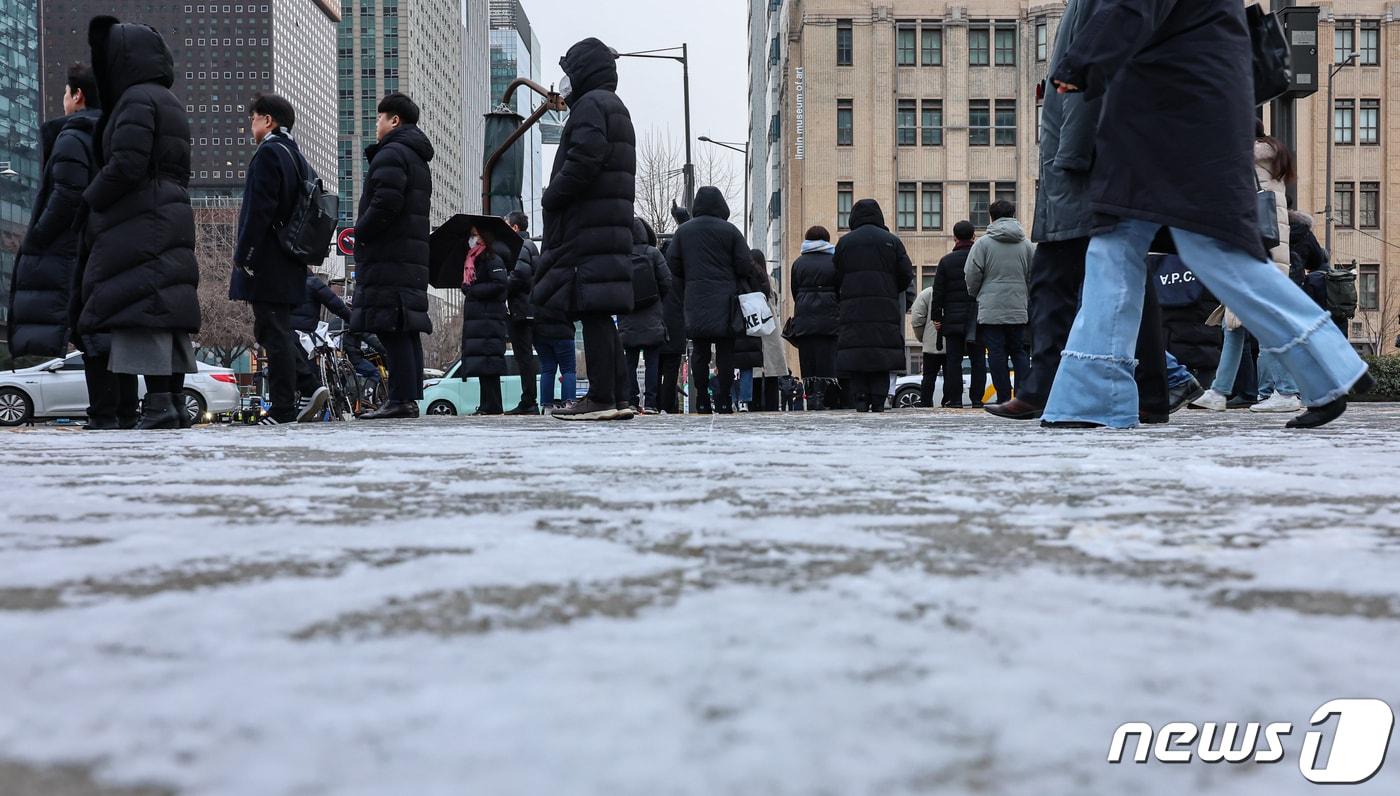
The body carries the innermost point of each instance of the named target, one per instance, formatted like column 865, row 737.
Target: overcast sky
column 718, row 39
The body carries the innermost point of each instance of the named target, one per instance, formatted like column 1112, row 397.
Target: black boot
column 157, row 412
column 525, row 408
column 392, row 410
column 100, row 423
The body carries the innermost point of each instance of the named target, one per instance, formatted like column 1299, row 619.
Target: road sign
column 345, row 241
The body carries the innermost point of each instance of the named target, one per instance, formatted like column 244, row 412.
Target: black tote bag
column 1273, row 63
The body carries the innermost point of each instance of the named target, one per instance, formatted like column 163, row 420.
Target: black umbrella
column 447, row 247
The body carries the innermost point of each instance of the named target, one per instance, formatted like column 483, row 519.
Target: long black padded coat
column 48, row 255
column 816, row 312
column 140, row 270
column 644, row 327
column 586, row 267
column 710, row 261
column 391, row 235
column 951, row 304
column 1175, row 142
column 872, row 272
column 484, row 331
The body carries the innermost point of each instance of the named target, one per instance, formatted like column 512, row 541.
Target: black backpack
column 307, row 233
column 644, row 289
column 1341, row 293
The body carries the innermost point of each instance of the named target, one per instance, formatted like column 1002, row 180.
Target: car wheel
column 906, row 398
column 441, row 408
column 194, row 406
column 15, row 407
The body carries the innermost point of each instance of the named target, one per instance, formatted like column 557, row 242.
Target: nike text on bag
column 307, row 233
column 758, row 318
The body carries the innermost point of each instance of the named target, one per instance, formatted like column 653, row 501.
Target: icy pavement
column 768, row 604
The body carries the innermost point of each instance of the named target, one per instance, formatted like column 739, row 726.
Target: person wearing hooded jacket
column 711, row 265
column 873, row 271
column 391, row 251
column 586, row 267
column 999, row 277
column 1176, row 152
column 643, row 330
column 816, row 318
column 485, row 287
column 522, row 316
column 140, row 278
column 673, row 350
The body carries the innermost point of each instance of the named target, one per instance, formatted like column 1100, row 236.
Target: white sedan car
column 58, row 388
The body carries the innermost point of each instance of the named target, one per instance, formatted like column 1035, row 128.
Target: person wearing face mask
column 585, row 270
column 265, row 274
column 391, row 251
column 485, row 284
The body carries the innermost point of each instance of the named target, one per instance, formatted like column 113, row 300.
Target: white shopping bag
column 758, row 317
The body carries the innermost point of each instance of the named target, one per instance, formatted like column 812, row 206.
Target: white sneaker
column 1212, row 400
column 1278, row 402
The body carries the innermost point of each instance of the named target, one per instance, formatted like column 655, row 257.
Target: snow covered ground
column 825, row 603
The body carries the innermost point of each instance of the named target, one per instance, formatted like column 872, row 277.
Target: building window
column 1342, row 213
column 979, row 46
column 1006, row 46
column 1343, row 41
column 1039, row 114
column 933, row 206
column 906, row 134
column 979, row 198
column 1006, row 123
column 931, row 123
column 904, row 37
column 845, row 123
column 845, row 38
column 1369, row 122
column 1370, row 43
column 845, row 197
column 932, row 46
column 1368, row 287
column 1370, row 205
column 1344, row 122
column 905, row 213
column 979, row 123
column 1005, row 192
column 1042, row 40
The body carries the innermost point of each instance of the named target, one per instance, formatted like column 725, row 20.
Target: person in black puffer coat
column 644, row 330
column 710, row 262
column 485, row 286
column 391, row 251
column 953, row 311
column 815, row 319
column 674, row 349
column 522, row 315
column 140, row 276
column 586, row 267
column 748, row 350
column 48, row 255
column 1305, row 254
column 872, row 272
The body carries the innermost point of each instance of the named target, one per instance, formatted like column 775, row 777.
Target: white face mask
column 473, row 241
column 566, row 86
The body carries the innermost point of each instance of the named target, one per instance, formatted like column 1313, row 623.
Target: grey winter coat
column 1068, row 125
column 999, row 273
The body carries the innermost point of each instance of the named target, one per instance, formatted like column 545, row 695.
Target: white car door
column 63, row 392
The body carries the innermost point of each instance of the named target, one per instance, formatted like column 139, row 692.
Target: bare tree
column 444, row 345
column 1380, row 326
column 227, row 326
column 720, row 167
column 660, row 180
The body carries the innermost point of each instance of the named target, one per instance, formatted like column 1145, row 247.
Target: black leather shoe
column 525, row 409
column 392, row 410
column 1180, row 397
column 1319, row 416
column 1015, row 409
column 1363, row 385
column 102, row 424
column 1069, row 424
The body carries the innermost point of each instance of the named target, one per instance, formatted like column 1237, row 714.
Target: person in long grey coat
column 1175, row 149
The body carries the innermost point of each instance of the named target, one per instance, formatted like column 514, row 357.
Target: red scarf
column 469, row 272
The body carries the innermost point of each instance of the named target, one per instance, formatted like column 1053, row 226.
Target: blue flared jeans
column 1095, row 381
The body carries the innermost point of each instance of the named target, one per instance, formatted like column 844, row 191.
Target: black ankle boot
column 1319, row 416
column 158, row 412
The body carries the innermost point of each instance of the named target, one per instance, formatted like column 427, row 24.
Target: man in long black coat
column 1175, row 148
column 391, row 251
column 265, row 274
column 711, row 265
column 953, row 311
column 872, row 272
column 586, row 267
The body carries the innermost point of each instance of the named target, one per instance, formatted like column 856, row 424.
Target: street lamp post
column 684, row 59
column 744, row 148
column 1331, row 145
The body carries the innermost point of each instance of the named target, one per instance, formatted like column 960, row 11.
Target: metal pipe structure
column 553, row 102
column 684, row 58
column 1331, row 145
